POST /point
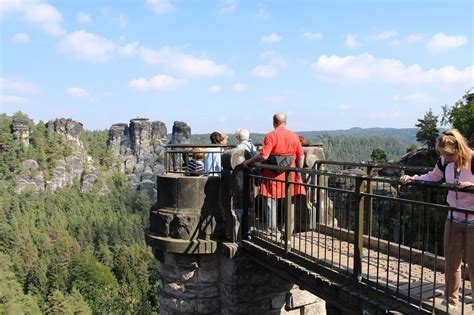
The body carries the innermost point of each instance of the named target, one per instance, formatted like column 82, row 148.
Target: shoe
column 452, row 307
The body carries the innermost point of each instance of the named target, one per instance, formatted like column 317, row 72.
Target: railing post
column 247, row 200
column 319, row 197
column 359, row 227
column 369, row 202
column 288, row 211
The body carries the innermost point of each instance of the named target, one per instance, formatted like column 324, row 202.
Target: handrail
column 400, row 231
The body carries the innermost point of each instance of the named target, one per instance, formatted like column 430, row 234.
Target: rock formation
column 21, row 128
column 138, row 151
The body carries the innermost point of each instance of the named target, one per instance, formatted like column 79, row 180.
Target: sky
column 224, row 65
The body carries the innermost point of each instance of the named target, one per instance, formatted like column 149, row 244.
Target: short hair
column 279, row 119
column 452, row 141
column 198, row 154
column 217, row 137
column 243, row 134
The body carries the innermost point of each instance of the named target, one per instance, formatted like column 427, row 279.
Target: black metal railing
column 368, row 227
column 177, row 157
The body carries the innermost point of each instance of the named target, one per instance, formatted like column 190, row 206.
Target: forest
column 66, row 252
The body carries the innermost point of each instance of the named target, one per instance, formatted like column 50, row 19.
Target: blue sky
column 223, row 65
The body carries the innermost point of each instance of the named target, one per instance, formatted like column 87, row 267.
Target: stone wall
column 216, row 284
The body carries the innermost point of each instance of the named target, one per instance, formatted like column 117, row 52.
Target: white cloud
column 385, row 35
column 214, row 89
column 271, row 39
column 76, row 92
column 87, row 46
column 276, row 99
column 351, row 41
column 21, row 38
column 160, row 6
column 12, row 99
column 159, row 83
column 313, row 35
column 440, row 42
column 229, row 6
column 415, row 38
column 366, row 67
column 17, row 86
column 83, row 18
column 262, row 14
column 275, row 59
column 184, row 64
column 239, row 87
column 414, row 98
column 264, row 71
column 44, row 15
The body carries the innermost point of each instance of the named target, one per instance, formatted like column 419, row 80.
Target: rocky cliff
column 137, row 149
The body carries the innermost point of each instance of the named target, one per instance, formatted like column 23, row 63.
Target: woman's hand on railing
column 406, row 179
column 465, row 184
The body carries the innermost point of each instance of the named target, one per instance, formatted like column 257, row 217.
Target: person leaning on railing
column 281, row 147
column 212, row 159
column 455, row 167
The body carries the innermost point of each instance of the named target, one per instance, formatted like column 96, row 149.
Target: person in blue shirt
column 212, row 159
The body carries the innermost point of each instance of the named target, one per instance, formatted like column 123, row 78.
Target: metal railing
column 367, row 227
column 177, row 156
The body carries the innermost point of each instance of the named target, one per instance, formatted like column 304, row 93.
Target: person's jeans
column 270, row 215
column 457, row 237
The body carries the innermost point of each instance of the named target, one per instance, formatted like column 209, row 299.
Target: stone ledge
column 177, row 246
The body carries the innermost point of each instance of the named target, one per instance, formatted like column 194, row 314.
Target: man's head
column 242, row 135
column 279, row 119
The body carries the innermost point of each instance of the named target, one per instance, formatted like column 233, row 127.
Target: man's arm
column 256, row 159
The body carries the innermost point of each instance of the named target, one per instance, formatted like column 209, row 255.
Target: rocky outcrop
column 138, row 150
column 66, row 170
column 181, row 133
column 21, row 128
column 71, row 129
column 31, row 177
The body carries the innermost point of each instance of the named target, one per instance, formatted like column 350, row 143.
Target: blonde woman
column 455, row 166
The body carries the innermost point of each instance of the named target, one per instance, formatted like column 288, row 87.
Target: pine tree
column 428, row 131
column 461, row 116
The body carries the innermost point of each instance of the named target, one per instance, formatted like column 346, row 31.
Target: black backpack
column 441, row 163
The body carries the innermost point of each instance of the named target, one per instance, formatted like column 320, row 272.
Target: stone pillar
column 181, row 135
column 21, row 130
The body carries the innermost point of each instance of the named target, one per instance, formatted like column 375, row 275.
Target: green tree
column 378, row 155
column 428, row 131
column 461, row 116
column 95, row 282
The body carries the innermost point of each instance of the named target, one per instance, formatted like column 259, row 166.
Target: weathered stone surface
column 21, row 128
column 31, row 177
column 138, row 150
column 70, row 128
column 297, row 298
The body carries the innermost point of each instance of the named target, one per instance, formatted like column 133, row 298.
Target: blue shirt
column 212, row 162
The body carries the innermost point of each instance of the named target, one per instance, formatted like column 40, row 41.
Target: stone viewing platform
column 202, row 268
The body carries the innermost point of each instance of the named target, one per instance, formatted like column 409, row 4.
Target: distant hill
column 355, row 144
column 406, row 135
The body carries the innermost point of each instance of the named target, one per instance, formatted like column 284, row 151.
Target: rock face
column 70, row 128
column 138, row 150
column 21, row 130
column 67, row 170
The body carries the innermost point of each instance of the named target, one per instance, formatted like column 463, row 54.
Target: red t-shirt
column 280, row 141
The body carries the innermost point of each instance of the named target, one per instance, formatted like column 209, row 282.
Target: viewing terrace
column 359, row 239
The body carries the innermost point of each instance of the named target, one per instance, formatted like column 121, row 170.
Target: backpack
column 250, row 151
column 441, row 164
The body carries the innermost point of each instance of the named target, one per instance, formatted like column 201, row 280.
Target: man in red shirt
column 279, row 143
